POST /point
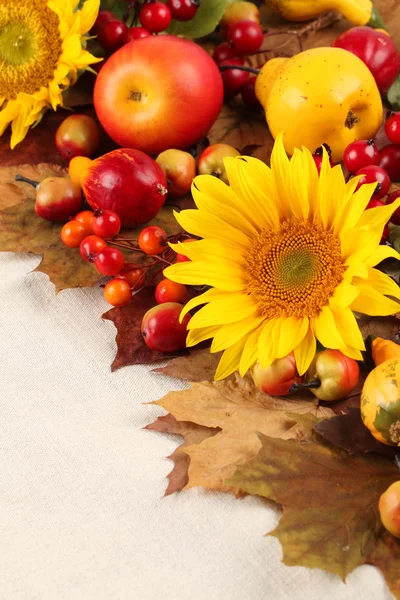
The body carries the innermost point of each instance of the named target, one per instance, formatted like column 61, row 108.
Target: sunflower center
column 30, row 46
column 293, row 271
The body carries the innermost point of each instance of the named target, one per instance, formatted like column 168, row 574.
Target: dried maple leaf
column 347, row 431
column 15, row 192
column 330, row 499
column 385, row 327
column 192, row 434
column 21, row 230
column 200, row 365
column 131, row 349
column 239, row 410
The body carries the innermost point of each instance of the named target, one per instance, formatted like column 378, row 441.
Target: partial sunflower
column 289, row 256
column 41, row 51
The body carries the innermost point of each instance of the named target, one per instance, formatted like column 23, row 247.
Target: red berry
column 385, row 234
column 245, row 37
column 390, row 161
column 73, row 233
column 392, row 127
column 161, row 329
column 90, row 247
column 225, row 52
column 117, row 292
column 374, row 203
column 360, row 154
column 318, row 156
column 109, row 261
column 132, row 276
column 395, row 218
column 135, row 33
column 183, row 10
column 182, row 257
column 102, row 18
column 373, row 174
column 155, row 16
column 111, row 35
column 170, row 291
column 86, row 217
column 152, row 240
column 233, row 79
column 248, row 93
column 106, row 223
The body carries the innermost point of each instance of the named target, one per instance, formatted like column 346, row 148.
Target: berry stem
column 239, row 68
column 34, row 184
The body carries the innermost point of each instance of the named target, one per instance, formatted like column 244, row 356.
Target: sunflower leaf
column 239, row 410
column 330, row 517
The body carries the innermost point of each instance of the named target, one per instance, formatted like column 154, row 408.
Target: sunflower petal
column 226, row 278
column 280, row 172
column 208, row 226
column 373, row 303
column 268, row 342
column 332, row 196
column 378, row 216
column 195, row 336
column 232, row 332
column 348, row 328
column 204, row 298
column 380, row 282
column 211, row 250
column 230, row 360
column 292, row 333
column 299, row 203
column 325, row 329
column 305, row 352
column 88, row 13
column 229, row 309
column 380, row 254
column 250, row 352
column 344, row 295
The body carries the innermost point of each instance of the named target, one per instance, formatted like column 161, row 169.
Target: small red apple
column 160, row 92
column 57, row 198
column 127, row 182
column 389, row 509
column 78, row 135
column 180, row 169
column 278, row 378
column 161, row 329
column 211, row 160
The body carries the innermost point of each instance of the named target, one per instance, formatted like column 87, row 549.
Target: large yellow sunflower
column 289, row 256
column 41, row 52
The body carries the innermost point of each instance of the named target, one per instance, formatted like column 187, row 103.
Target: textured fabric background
column 82, row 513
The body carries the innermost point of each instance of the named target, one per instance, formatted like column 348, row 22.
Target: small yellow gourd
column 380, row 402
column 382, row 350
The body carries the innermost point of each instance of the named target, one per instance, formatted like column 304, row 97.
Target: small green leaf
column 207, row 18
column 393, row 94
column 118, row 7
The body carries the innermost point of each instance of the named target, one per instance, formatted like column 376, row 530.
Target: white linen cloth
column 82, row 512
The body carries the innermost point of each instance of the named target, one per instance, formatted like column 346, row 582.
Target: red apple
column 278, row 378
column 78, row 135
column 57, row 198
column 160, row 92
column 211, row 160
column 127, row 182
column 180, row 169
column 389, row 509
column 161, row 329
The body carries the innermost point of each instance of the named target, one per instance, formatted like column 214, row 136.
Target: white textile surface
column 82, row 512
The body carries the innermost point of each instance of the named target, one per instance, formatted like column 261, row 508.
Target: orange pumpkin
column 382, row 350
column 380, row 402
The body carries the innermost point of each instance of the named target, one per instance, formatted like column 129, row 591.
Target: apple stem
column 296, row 387
column 239, row 68
column 35, row 184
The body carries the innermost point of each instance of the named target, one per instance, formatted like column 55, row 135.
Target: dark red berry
column 155, row 16
column 90, row 247
column 248, row 94
column 374, row 203
column 374, row 174
column 390, row 161
column 318, row 156
column 385, row 234
column 392, row 127
column 103, row 17
column 360, row 154
column 111, row 35
column 183, row 10
column 233, row 78
column 245, row 37
column 395, row 218
column 135, row 33
column 106, row 223
column 109, row 261
column 225, row 52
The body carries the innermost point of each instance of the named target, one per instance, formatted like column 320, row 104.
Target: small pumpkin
column 382, row 350
column 380, row 402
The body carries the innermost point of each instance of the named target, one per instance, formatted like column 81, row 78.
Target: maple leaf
column 200, row 365
column 330, row 500
column 192, row 434
column 240, row 410
column 14, row 192
column 131, row 349
column 347, row 431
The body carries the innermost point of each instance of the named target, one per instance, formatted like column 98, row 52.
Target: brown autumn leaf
column 347, row 431
column 192, row 434
column 131, row 349
column 240, row 410
column 385, row 327
column 200, row 365
column 15, row 192
column 330, row 500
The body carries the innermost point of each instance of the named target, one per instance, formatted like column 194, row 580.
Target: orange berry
column 132, row 276
column 77, row 168
column 118, row 292
column 170, row 291
column 86, row 218
column 73, row 233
